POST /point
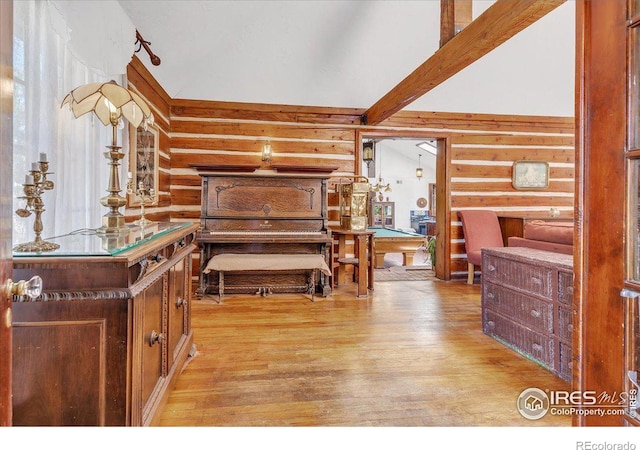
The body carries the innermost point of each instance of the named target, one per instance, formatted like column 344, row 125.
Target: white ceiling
column 347, row 53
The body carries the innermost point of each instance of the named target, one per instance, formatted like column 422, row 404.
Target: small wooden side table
column 363, row 259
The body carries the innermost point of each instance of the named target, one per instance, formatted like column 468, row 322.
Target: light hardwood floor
column 412, row 354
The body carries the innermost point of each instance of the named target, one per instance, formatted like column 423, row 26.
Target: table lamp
column 110, row 102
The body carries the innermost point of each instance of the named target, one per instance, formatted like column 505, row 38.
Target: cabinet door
column 178, row 308
column 60, row 370
column 153, row 342
column 70, row 362
column 376, row 215
column 389, row 215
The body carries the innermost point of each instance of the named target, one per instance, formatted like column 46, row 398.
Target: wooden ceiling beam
column 454, row 16
column 503, row 20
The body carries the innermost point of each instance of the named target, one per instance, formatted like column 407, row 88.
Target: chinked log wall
column 479, row 158
column 481, row 174
column 143, row 83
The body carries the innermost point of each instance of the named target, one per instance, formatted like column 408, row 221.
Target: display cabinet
column 382, row 214
column 104, row 342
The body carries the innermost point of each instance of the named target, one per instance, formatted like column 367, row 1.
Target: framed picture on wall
column 143, row 162
column 530, row 175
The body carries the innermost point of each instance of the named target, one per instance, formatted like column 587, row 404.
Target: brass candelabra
column 144, row 195
column 35, row 185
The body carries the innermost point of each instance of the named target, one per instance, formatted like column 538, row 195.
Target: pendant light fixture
column 419, row 169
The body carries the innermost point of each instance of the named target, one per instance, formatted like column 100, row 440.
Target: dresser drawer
column 532, row 278
column 565, row 324
column 529, row 311
column 566, row 362
column 565, row 288
column 522, row 339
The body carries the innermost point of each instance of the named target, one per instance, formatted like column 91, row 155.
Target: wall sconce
column 266, row 152
column 367, row 152
column 419, row 169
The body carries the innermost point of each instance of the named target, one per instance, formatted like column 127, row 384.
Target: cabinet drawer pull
column 155, row 338
column 536, row 281
column 569, row 289
column 491, row 268
column 179, row 302
column 537, row 347
column 491, row 296
column 570, row 327
column 535, row 313
column 157, row 258
column 491, row 323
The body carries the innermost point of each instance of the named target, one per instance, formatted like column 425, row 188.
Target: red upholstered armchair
column 481, row 230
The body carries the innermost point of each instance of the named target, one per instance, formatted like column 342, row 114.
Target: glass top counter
column 87, row 242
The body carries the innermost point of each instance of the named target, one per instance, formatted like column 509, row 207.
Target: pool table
column 388, row 240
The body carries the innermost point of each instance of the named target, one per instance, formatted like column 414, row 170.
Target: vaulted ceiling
column 348, row 54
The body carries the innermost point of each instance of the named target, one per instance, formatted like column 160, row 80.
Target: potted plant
column 431, row 248
column 429, row 244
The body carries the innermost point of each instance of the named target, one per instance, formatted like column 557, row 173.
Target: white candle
column 35, row 166
column 28, row 179
column 43, row 157
column 130, row 176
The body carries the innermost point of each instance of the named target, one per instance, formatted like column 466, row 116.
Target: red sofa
column 550, row 236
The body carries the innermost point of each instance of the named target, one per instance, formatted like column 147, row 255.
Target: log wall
column 481, row 177
column 479, row 153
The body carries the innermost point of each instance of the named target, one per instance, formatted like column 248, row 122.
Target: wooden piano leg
column 202, row 277
column 312, row 285
column 220, row 286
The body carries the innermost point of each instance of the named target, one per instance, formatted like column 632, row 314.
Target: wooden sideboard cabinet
column 105, row 341
column 527, row 297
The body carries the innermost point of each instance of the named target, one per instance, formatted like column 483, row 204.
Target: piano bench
column 240, row 262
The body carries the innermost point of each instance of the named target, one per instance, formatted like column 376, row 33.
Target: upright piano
column 275, row 212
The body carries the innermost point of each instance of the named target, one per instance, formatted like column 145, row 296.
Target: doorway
column 398, row 160
column 401, row 173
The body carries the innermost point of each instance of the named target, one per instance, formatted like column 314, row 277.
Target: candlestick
column 144, row 195
column 35, row 185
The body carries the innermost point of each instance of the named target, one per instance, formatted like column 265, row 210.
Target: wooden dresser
column 527, row 299
column 105, row 341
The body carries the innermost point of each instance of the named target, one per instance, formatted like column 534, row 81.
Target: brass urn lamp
column 109, row 102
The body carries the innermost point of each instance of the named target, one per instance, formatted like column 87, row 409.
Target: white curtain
column 48, row 64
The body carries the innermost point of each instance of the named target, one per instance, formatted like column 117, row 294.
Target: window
column 46, row 68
